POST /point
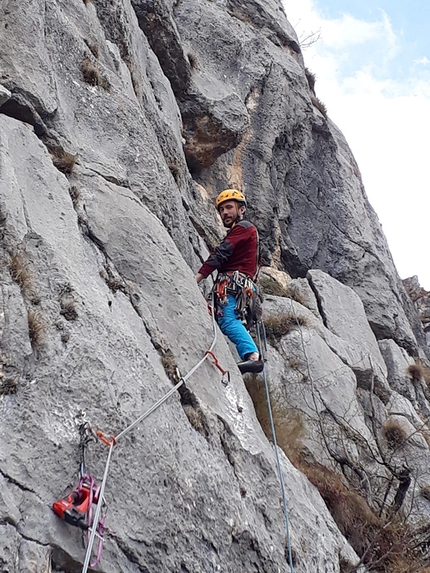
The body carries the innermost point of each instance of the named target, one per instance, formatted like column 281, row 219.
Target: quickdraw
column 225, row 373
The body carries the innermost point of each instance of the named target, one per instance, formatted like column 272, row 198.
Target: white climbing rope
column 114, row 440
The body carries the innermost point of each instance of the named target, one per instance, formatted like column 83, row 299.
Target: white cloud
column 340, row 33
column 385, row 122
column 424, row 61
column 348, row 31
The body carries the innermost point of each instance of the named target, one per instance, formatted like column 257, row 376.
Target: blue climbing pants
column 232, row 327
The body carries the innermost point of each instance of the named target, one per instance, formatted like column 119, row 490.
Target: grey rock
column 4, row 94
column 304, row 187
column 157, row 108
column 8, row 550
column 206, row 469
column 273, row 281
column 344, row 315
column 157, row 21
column 214, row 116
column 307, row 376
column 398, row 361
column 421, row 298
column 33, row 555
column 398, row 404
column 351, row 354
column 305, row 295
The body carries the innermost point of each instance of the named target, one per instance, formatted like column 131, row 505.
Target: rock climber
column 236, row 260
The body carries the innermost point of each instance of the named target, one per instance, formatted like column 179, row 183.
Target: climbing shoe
column 254, row 366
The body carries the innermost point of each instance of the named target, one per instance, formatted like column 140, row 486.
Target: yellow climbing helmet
column 230, row 195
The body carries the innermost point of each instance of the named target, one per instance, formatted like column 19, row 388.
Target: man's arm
column 222, row 253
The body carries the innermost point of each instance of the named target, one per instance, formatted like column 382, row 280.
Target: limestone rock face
column 421, row 298
column 339, row 397
column 4, row 95
column 343, row 314
column 214, row 116
column 305, row 189
column 120, row 120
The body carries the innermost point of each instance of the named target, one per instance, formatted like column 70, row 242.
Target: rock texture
column 421, row 298
column 305, row 189
column 119, row 122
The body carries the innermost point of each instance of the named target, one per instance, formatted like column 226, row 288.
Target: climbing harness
column 245, row 291
column 76, row 508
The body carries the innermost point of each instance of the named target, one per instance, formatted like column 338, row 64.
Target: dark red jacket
column 237, row 252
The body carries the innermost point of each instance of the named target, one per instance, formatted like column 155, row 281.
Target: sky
column 371, row 59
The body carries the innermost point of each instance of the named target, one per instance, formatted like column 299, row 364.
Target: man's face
column 230, row 212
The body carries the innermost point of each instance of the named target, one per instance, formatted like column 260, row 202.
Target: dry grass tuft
column 346, row 506
column 75, row 195
column 193, row 411
column 68, row 309
column 294, row 363
column 424, row 431
column 416, row 371
column 21, row 273
column 319, row 105
column 394, row 433
column 194, row 62
column 113, row 280
column 65, row 337
column 282, row 324
column 196, row 419
column 62, row 160
column 8, row 386
column 419, row 371
column 169, row 364
column 425, row 492
column 175, row 170
column 115, row 284
column 92, row 75
column 311, row 78
column 36, row 328
column 387, row 546
column 135, row 81
column 289, row 423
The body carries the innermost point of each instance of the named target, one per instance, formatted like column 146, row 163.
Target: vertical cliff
column 119, row 122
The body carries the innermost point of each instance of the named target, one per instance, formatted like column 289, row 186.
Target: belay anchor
column 76, row 508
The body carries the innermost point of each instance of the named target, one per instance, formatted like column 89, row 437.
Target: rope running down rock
column 114, row 439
